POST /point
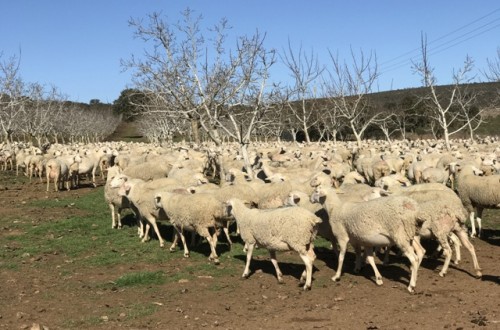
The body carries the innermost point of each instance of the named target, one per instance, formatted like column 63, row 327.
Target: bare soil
column 39, row 293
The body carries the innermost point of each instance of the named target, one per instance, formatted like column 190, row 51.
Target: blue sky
column 77, row 45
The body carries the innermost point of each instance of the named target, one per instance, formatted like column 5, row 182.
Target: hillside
column 488, row 94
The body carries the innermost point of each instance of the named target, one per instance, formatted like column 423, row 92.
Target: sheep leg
column 359, row 260
column 456, row 247
column 472, row 224
column 119, row 217
column 183, row 239
column 308, row 259
column 478, row 219
column 443, row 241
column 371, row 261
column 343, row 249
column 93, row 177
column 312, row 256
column 226, row 232
column 113, row 216
column 279, row 274
column 410, row 254
column 145, row 236
column 387, row 253
column 250, row 247
column 462, row 236
column 419, row 249
column 175, row 241
column 212, row 240
column 140, row 227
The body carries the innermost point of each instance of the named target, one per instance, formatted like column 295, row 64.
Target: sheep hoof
column 186, row 255
column 245, row 276
column 307, row 287
column 442, row 274
column 216, row 261
column 411, row 289
column 379, row 281
column 479, row 274
column 280, row 280
column 335, row 279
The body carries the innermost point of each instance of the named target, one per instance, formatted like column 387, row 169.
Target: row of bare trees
column 198, row 83
column 40, row 114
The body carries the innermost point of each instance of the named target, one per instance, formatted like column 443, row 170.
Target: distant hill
column 488, row 94
column 127, row 131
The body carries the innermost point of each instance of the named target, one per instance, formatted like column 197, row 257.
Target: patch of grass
column 83, row 322
column 141, row 278
column 141, row 310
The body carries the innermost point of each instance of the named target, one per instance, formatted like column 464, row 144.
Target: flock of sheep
column 376, row 197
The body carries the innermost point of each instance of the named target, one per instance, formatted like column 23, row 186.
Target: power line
column 443, row 36
column 439, row 49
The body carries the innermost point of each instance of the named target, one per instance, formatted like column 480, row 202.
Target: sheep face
column 228, row 208
column 124, row 189
column 158, row 204
column 293, row 199
column 318, row 195
column 118, row 181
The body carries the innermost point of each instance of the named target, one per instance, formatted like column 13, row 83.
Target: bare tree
column 305, row 72
column 40, row 112
column 219, row 90
column 447, row 108
column 11, row 96
column 348, row 87
column 493, row 71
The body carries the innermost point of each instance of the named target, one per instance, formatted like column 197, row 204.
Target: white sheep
column 115, row 202
column 477, row 193
column 200, row 213
column 58, row 171
column 437, row 174
column 141, row 200
column 376, row 223
column 443, row 214
column 148, row 171
column 281, row 229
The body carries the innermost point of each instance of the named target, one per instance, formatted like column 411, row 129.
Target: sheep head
column 118, row 181
column 318, row 195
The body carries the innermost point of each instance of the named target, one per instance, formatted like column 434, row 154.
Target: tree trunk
column 246, row 160
column 195, row 130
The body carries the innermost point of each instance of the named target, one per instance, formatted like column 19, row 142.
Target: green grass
column 141, row 278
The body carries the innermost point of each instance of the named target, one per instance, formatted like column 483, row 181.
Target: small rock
column 105, row 318
column 183, row 280
column 122, row 315
column 21, row 315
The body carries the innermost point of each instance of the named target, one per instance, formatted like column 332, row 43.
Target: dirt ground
column 47, row 297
